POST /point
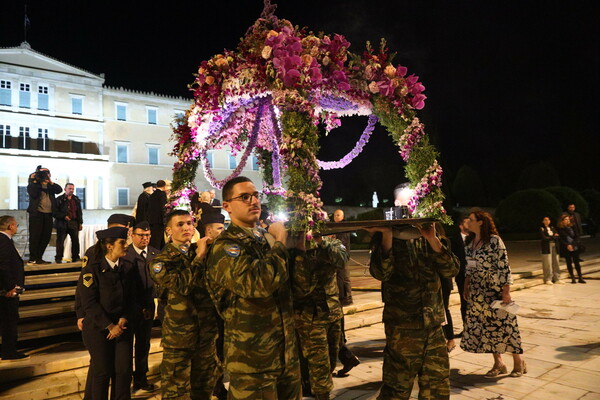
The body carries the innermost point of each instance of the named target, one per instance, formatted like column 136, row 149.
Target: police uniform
column 413, row 314
column 318, row 312
column 248, row 282
column 107, row 295
column 189, row 330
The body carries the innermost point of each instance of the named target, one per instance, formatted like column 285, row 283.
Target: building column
column 13, row 202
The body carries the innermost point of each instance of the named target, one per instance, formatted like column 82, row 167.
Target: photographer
column 41, row 192
column 68, row 220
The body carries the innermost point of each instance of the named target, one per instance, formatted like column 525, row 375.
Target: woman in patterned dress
column 488, row 278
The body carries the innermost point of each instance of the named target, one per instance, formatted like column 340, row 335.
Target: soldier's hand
column 122, row 323
column 278, row 231
column 202, row 248
column 80, row 324
column 114, row 331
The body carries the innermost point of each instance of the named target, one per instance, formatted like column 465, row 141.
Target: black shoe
column 581, row 280
column 342, row 373
column 76, row 260
column 458, row 335
column 57, row 261
column 40, row 261
column 581, row 260
column 573, row 280
column 17, row 356
column 306, row 391
column 143, row 386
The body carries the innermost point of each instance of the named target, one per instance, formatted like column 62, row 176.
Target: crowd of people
column 264, row 306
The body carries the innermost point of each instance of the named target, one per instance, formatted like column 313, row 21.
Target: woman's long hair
column 488, row 227
column 100, row 248
column 562, row 224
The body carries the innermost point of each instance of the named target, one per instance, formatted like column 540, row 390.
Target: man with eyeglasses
column 140, row 254
column 248, row 281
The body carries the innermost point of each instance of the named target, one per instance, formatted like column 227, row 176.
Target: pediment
column 24, row 56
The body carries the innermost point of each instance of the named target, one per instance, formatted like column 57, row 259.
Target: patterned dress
column 489, row 330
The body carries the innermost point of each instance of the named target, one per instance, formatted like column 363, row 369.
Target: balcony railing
column 44, row 144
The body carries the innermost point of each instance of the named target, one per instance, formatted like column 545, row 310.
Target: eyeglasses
column 246, row 197
column 144, row 235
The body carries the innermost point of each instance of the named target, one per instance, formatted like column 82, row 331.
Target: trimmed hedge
column 592, row 196
column 565, row 195
column 524, row 210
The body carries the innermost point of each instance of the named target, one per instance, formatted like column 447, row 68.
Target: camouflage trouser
column 266, row 386
column 319, row 347
column 190, row 373
column 409, row 353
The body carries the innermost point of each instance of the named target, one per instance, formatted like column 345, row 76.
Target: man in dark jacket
column 156, row 214
column 42, row 192
column 12, row 278
column 140, row 255
column 141, row 211
column 68, row 220
column 458, row 248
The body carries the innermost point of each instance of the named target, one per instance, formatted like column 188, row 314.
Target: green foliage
column 467, row 187
column 566, row 195
column 524, row 210
column 538, row 176
column 592, row 196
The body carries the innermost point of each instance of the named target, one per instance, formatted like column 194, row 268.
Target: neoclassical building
column 105, row 140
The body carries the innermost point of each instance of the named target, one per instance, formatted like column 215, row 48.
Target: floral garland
column 270, row 94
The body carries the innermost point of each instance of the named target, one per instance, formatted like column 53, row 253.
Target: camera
column 42, row 176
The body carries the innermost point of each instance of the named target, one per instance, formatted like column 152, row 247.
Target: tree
column 592, row 196
column 467, row 187
column 524, row 210
column 566, row 195
column 538, row 176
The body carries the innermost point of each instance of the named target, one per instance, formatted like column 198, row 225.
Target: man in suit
column 458, row 248
column 156, row 215
column 68, row 220
column 42, row 192
column 141, row 213
column 140, row 254
column 12, row 279
column 214, row 202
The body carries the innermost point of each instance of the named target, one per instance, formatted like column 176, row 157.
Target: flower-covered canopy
column 268, row 97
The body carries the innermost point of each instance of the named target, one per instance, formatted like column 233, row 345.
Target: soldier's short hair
column 5, row 221
column 161, row 184
column 228, row 188
column 176, row 213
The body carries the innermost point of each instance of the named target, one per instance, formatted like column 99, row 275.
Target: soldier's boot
column 322, row 396
column 578, row 268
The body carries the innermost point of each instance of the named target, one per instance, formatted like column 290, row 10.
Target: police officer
column 140, row 255
column 318, row 312
column 107, row 295
column 189, row 329
column 409, row 263
column 248, row 281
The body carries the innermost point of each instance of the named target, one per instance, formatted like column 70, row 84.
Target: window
column 122, row 196
column 151, row 111
column 122, row 152
column 42, row 139
column 43, row 98
column 5, row 138
column 77, row 105
column 25, row 95
column 80, row 192
column 5, row 93
column 76, row 146
column 121, row 111
column 153, row 155
column 178, row 114
column 254, row 163
column 23, row 198
column 24, row 138
column 232, row 161
column 209, row 158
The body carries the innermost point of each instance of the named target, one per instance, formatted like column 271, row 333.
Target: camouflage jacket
column 175, row 270
column 314, row 282
column 411, row 286
column 248, row 282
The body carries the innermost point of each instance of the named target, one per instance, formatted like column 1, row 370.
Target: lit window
column 24, row 138
column 77, row 105
column 209, row 158
column 25, row 95
column 5, row 93
column 43, row 98
column 151, row 115
column 153, row 155
column 42, row 139
column 232, row 161
column 122, row 196
column 254, row 163
column 121, row 111
column 122, row 153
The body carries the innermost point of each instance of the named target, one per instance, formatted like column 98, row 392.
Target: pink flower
column 291, row 77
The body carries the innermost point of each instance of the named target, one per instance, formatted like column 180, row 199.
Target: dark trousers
column 109, row 359
column 446, row 289
column 142, row 331
column 9, row 318
column 460, row 284
column 572, row 257
column 40, row 230
column 61, row 235
column 157, row 240
column 345, row 355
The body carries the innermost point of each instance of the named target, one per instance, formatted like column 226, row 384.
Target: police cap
column 116, row 232
column 214, row 217
column 121, row 219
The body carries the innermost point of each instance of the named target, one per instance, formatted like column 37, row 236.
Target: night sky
column 509, row 84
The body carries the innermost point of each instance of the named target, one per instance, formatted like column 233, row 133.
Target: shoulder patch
column 232, row 250
column 84, row 261
column 88, row 280
column 157, row 267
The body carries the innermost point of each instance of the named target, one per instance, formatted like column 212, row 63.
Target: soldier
column 141, row 209
column 410, row 264
column 318, row 312
column 107, row 294
column 140, row 255
column 189, row 330
column 248, row 281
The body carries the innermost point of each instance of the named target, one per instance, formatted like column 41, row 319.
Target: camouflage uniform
column 318, row 312
column 189, row 331
column 248, row 282
column 413, row 315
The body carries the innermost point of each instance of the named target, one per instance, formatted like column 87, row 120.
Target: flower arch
column 269, row 96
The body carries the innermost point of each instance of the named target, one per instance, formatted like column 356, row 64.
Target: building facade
column 107, row 141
